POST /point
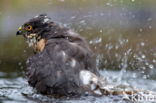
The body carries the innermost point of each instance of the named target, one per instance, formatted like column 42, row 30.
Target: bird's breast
column 40, row 45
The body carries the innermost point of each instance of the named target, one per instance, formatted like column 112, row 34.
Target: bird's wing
column 57, row 65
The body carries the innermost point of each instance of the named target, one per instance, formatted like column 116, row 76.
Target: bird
column 61, row 58
column 63, row 63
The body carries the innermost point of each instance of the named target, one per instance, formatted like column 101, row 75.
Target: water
column 18, row 91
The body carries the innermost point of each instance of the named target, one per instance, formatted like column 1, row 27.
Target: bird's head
column 34, row 30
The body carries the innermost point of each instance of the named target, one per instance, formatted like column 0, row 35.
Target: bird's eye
column 28, row 28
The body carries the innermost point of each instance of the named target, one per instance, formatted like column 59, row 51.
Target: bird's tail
column 99, row 86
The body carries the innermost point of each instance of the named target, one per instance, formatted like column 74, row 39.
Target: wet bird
column 61, row 58
column 62, row 63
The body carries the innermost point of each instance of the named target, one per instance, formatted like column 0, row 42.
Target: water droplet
column 73, row 17
column 116, row 55
column 97, row 40
column 143, row 68
column 146, row 63
column 142, row 72
column 154, row 61
column 149, row 19
column 83, row 22
column 142, row 44
column 117, row 46
column 145, row 76
column 151, row 66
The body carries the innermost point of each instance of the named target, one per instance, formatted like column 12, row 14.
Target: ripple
column 18, row 91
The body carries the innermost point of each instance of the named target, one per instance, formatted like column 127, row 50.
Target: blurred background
column 122, row 33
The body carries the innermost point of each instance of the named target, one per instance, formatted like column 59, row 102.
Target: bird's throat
column 39, row 46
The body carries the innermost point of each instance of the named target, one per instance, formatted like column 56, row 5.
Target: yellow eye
column 28, row 28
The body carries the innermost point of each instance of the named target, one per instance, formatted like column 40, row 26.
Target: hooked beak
column 19, row 32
